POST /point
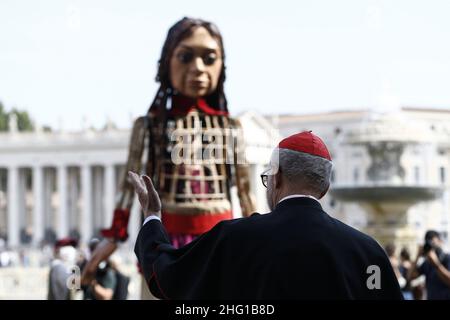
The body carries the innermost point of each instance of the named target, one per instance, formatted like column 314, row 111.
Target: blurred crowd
column 427, row 277
column 66, row 271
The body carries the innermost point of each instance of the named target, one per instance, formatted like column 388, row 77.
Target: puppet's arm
column 242, row 171
column 119, row 229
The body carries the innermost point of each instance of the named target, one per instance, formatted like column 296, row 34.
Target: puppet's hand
column 147, row 195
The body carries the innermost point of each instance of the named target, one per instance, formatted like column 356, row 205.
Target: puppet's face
column 196, row 64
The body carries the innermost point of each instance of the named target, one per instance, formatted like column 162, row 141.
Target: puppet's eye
column 209, row 59
column 185, row 57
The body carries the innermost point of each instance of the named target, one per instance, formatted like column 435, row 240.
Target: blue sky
column 69, row 60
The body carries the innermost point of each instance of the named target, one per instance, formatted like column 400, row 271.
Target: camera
column 430, row 246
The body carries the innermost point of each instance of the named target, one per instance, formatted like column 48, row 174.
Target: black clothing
column 296, row 251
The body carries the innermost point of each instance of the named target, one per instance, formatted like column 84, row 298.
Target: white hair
column 304, row 170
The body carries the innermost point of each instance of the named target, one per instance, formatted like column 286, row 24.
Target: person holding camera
column 435, row 266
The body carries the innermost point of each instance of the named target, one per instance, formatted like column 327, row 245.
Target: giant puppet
column 187, row 143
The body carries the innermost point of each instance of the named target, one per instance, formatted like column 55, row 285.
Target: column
column 49, row 212
column 21, row 203
column 97, row 198
column 86, row 213
column 73, row 196
column 110, row 186
column 38, row 212
column 62, row 229
column 13, row 209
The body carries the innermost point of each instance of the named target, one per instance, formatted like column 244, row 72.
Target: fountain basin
column 386, row 193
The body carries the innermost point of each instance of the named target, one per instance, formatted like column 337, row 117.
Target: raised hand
column 147, row 195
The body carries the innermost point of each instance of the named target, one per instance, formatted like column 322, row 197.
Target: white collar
column 298, row 196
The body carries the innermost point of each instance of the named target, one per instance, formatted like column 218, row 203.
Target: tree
column 24, row 122
column 3, row 118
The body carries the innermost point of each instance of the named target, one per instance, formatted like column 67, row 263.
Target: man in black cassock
column 297, row 251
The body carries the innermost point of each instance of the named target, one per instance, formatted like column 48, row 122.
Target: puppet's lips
column 198, row 83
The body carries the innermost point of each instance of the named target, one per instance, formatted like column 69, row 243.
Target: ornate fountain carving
column 385, row 161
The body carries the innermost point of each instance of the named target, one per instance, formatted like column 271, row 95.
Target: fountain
column 386, row 194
